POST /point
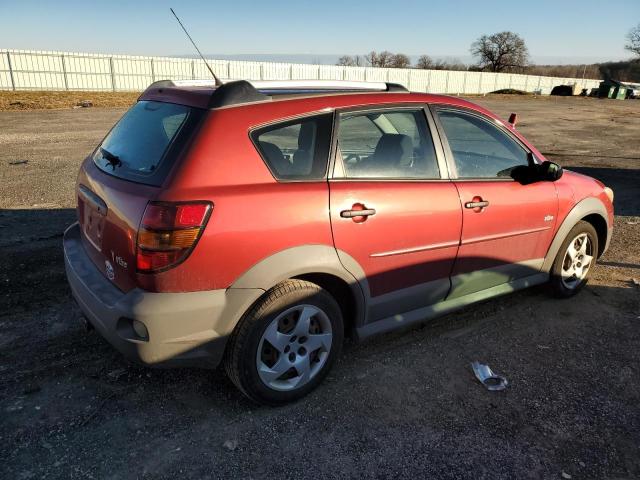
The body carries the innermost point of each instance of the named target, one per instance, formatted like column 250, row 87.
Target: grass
column 42, row 100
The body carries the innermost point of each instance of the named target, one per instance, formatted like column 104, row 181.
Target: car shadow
column 625, row 183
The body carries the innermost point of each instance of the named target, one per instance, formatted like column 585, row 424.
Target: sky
column 558, row 31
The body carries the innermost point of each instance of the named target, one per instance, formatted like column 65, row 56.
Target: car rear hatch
column 126, row 171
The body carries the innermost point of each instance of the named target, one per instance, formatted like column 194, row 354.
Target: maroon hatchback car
column 257, row 224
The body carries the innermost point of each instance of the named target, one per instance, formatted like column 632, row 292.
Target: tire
column 269, row 356
column 562, row 284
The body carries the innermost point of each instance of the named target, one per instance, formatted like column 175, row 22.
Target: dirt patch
column 23, row 100
column 510, row 91
column 403, row 405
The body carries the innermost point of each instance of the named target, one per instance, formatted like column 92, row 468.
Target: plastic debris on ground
column 491, row 380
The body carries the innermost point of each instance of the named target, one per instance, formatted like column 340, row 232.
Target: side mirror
column 550, row 171
column 547, row 171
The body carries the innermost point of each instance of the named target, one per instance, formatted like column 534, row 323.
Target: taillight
column 168, row 232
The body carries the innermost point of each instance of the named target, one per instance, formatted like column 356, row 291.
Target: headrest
column 306, row 136
column 395, row 145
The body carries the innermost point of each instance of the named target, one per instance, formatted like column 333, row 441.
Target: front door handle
column 480, row 204
column 358, row 213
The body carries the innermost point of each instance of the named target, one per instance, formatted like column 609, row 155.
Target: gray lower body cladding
column 184, row 329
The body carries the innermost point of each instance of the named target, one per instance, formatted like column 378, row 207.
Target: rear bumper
column 184, row 329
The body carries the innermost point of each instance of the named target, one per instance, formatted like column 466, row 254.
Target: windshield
column 136, row 148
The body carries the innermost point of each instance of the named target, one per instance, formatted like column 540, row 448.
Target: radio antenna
column 217, row 80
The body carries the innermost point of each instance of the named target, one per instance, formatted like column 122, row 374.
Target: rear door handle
column 358, row 213
column 481, row 204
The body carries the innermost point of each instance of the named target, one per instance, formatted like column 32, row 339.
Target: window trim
column 448, row 153
column 337, row 167
column 253, row 132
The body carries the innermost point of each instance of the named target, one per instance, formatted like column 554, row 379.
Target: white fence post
column 113, row 74
column 153, row 72
column 480, row 83
column 193, row 70
column 13, row 80
column 64, row 73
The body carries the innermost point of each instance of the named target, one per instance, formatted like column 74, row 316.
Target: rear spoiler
column 244, row 91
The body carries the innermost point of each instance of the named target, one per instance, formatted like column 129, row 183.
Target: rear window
column 145, row 142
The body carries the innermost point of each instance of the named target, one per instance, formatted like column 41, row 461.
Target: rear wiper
column 111, row 159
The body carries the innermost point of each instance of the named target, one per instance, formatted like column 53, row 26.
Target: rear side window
column 479, row 148
column 392, row 144
column 144, row 143
column 297, row 149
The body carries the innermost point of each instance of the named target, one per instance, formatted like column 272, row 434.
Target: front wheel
column 575, row 260
column 286, row 343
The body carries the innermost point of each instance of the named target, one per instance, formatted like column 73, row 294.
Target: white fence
column 47, row 70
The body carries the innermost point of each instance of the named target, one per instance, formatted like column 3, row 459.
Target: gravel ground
column 402, row 405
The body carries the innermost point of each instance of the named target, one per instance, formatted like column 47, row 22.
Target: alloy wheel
column 577, row 261
column 294, row 347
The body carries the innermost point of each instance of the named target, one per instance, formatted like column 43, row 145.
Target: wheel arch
column 591, row 210
column 318, row 264
column 600, row 225
column 342, row 293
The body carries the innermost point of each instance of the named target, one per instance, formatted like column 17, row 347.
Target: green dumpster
column 606, row 90
column 620, row 93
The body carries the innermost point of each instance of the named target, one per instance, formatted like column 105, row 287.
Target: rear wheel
column 286, row 344
column 575, row 260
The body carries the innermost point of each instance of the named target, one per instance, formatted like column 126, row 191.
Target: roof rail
column 323, row 86
column 233, row 92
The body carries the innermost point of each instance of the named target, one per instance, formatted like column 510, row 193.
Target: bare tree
column 501, row 51
column 375, row 59
column 350, row 61
column 382, row 59
column 424, row 62
column 385, row 58
column 372, row 58
column 400, row 60
column 633, row 38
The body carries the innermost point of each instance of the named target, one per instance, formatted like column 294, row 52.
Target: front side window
column 387, row 144
column 297, row 149
column 480, row 149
